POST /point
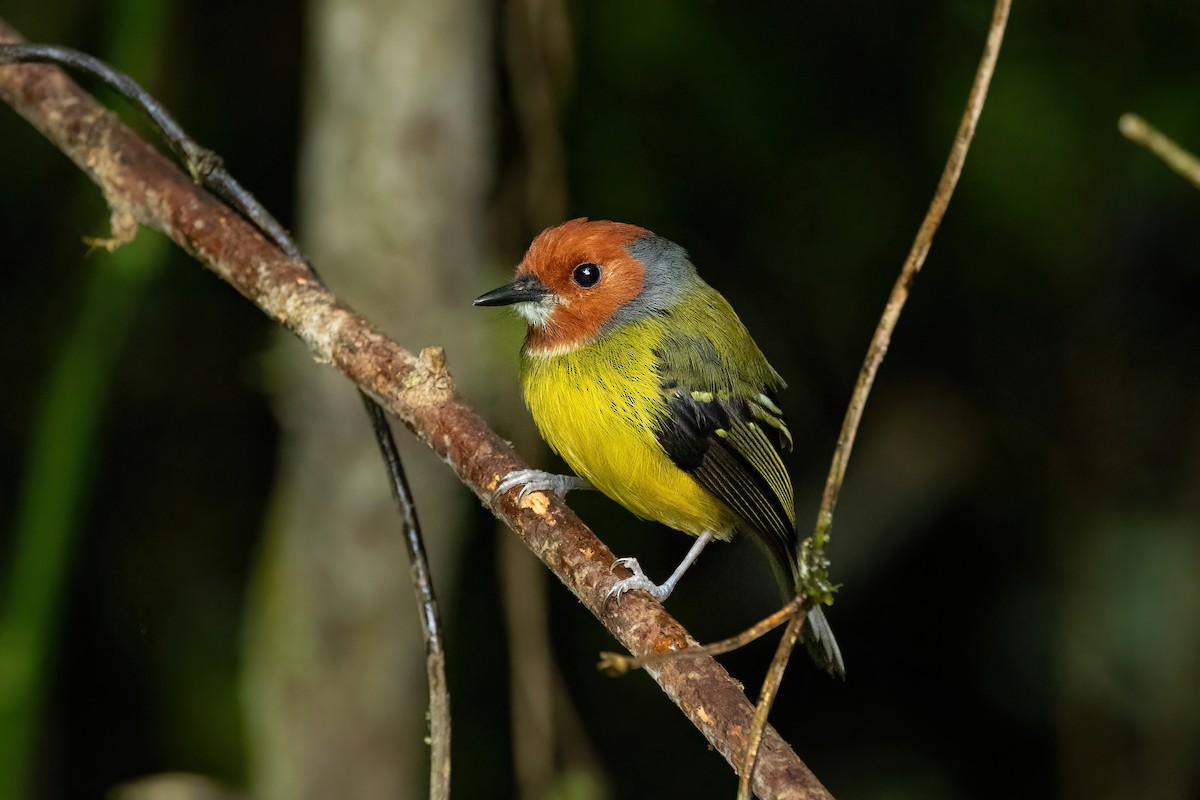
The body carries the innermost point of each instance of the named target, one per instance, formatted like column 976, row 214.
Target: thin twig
column 908, row 273
column 1138, row 130
column 208, row 169
column 815, row 555
column 205, row 166
column 766, row 698
column 615, row 665
column 139, row 184
column 431, row 625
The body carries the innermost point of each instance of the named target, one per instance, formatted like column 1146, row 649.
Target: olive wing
column 724, row 428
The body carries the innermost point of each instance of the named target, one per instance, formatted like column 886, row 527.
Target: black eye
column 586, row 274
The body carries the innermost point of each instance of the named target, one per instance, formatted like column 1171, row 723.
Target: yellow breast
column 597, row 407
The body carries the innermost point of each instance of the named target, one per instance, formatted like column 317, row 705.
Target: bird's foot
column 660, row 591
column 637, row 581
column 535, row 480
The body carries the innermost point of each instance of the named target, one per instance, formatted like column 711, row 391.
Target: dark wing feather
column 715, row 429
column 723, row 426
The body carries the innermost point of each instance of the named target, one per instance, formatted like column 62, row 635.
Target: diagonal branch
column 141, row 186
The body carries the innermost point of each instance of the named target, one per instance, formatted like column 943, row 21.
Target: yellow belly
column 596, row 408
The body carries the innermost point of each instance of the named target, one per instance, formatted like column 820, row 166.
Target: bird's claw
column 535, row 480
column 512, row 480
column 637, row 581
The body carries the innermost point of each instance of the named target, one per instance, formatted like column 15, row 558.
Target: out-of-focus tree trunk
column 551, row 752
column 394, row 169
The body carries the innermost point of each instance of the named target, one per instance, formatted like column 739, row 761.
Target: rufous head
column 582, row 278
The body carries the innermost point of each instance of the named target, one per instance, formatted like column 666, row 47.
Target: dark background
column 1018, row 537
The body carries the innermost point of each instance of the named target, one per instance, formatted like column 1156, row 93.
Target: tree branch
column 141, row 186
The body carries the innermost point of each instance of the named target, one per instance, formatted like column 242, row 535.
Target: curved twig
column 205, row 166
column 912, row 265
column 431, row 624
column 208, row 169
column 1136, row 129
column 766, row 697
column 815, row 553
column 140, row 185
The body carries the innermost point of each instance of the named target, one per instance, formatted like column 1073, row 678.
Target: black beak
column 525, row 289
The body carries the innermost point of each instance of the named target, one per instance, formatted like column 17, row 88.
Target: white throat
column 537, row 312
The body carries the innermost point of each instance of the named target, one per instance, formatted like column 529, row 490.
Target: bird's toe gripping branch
column 637, row 581
column 659, row 591
column 535, row 480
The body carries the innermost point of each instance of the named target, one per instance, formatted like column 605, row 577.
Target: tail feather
column 821, row 644
column 817, row 635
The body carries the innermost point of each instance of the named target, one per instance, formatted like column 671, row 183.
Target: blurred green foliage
column 54, row 493
column 1017, row 539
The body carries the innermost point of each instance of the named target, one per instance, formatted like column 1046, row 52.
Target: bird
column 644, row 380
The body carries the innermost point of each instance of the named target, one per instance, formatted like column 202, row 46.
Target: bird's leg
column 535, row 480
column 640, row 581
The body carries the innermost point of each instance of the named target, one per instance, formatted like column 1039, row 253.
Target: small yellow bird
column 641, row 376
